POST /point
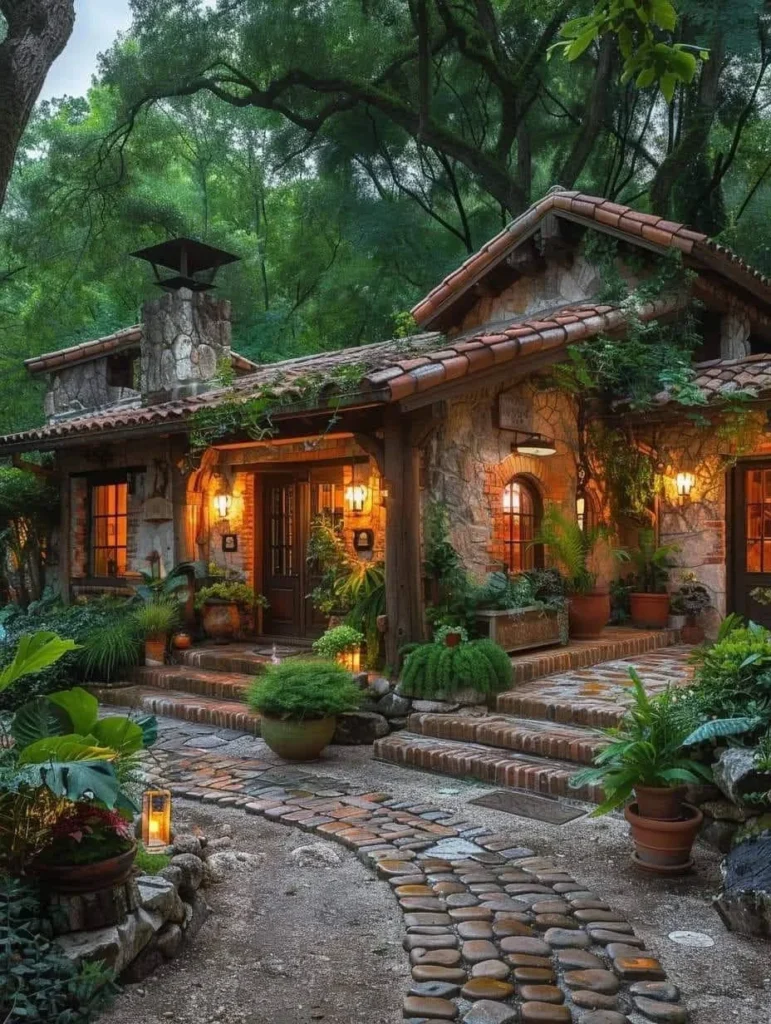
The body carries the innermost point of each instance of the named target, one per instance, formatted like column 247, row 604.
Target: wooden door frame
column 732, row 521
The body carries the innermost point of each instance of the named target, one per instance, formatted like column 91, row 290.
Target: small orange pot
column 155, row 650
column 588, row 615
column 181, row 641
column 649, row 611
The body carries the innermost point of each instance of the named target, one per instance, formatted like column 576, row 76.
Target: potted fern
column 572, row 547
column 649, row 599
column 154, row 622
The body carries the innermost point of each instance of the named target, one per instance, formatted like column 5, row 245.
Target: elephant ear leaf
column 85, row 780
column 120, row 734
column 35, row 652
column 149, row 726
column 36, row 720
column 65, row 748
column 81, row 706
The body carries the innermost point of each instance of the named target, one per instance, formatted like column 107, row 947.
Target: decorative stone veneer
column 83, row 388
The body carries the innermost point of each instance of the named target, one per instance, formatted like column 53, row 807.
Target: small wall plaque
column 230, row 542
column 515, row 411
column 363, row 540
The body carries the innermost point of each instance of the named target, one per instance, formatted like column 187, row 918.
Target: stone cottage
column 169, row 446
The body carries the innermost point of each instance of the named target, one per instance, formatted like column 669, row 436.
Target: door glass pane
column 109, row 531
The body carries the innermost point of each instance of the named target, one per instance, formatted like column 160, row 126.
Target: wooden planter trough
column 524, row 628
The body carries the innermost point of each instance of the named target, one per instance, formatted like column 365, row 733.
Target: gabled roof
column 389, row 372
column 719, row 378
column 129, row 337
column 645, row 229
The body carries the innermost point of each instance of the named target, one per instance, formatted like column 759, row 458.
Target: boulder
column 157, row 894
column 745, row 901
column 379, row 687
column 173, row 873
column 192, row 871
column 724, row 810
column 187, row 843
column 359, row 727
column 392, row 705
column 735, row 774
column 169, row 940
column 315, row 855
column 224, row 862
column 719, row 834
column 434, row 707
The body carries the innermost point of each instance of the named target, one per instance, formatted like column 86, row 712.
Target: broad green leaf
column 120, row 734
column 65, row 748
column 35, row 652
column 149, row 726
column 721, row 727
column 664, row 15
column 37, row 719
column 668, row 84
column 85, row 780
column 80, row 705
column 582, row 43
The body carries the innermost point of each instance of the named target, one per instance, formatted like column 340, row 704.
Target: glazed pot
column 664, row 847
column 82, row 878
column 588, row 615
column 181, row 641
column 649, row 611
column 221, row 620
column 664, row 803
column 691, row 633
column 297, row 740
column 155, row 650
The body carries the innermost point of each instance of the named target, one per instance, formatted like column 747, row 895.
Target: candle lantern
column 156, row 817
column 350, row 659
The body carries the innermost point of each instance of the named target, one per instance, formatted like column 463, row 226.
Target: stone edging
column 495, row 934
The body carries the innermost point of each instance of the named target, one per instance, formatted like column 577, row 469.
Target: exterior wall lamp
column 355, row 496
column 684, row 482
column 533, row 444
column 581, row 511
column 222, row 503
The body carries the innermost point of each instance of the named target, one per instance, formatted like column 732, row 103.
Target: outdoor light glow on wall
column 511, row 498
column 222, row 503
column 684, row 483
column 534, row 444
column 355, row 496
column 156, row 817
column 581, row 511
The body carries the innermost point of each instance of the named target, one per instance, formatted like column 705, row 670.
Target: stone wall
column 185, row 335
column 83, row 388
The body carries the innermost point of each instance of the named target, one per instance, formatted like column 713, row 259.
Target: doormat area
column 528, row 805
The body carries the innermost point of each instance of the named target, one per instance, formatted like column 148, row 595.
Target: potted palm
column 649, row 600
column 645, row 758
column 299, row 701
column 154, row 622
column 572, row 547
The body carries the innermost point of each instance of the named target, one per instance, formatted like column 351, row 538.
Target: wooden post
column 65, row 499
column 404, row 600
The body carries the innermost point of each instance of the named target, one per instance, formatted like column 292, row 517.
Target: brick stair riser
column 218, row 686
column 221, row 661
column 545, row 780
column 595, row 716
column 574, row 657
column 514, row 736
column 187, row 710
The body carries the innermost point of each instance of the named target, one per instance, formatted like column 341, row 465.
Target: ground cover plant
column 438, row 670
column 300, row 689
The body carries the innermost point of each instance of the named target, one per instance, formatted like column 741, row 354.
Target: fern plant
column 571, row 547
column 435, row 670
column 651, row 562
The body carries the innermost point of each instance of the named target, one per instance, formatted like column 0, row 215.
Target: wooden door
column 750, row 559
column 282, row 500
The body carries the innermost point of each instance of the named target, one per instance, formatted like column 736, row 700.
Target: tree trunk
column 37, row 33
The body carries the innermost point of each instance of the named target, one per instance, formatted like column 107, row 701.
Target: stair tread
column 193, row 699
column 497, row 719
column 497, row 753
column 190, row 672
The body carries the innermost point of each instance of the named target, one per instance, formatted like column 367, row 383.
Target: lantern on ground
column 350, row 659
column 156, row 817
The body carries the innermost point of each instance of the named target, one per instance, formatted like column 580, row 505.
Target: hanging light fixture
column 355, row 494
column 534, row 444
column 684, row 482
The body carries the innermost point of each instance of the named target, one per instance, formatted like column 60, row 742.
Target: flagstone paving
column 494, row 932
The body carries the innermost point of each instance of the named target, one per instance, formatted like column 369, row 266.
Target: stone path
column 494, row 933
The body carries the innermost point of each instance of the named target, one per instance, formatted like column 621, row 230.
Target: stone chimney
column 185, row 336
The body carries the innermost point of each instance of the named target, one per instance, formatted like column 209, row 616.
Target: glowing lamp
column 156, row 817
column 355, row 496
column 511, row 498
column 350, row 659
column 535, row 444
column 581, row 511
column 684, row 483
column 222, row 503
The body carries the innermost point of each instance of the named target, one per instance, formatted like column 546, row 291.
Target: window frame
column 100, row 479
column 532, row 555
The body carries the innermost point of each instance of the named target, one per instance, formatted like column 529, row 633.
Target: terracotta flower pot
column 452, row 639
column 664, row 847
column 221, row 620
column 588, row 615
column 80, row 878
column 181, row 641
column 295, row 740
column 691, row 633
column 649, row 611
column 155, row 650
column 665, row 803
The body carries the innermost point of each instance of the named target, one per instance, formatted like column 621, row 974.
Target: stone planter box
column 524, row 628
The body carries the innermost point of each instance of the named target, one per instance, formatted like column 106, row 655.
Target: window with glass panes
column 757, row 489
column 109, row 519
column 522, row 520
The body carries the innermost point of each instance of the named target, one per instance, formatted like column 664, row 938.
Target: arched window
column 522, row 521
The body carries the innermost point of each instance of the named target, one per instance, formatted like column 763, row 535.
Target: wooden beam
column 372, row 446
column 64, row 537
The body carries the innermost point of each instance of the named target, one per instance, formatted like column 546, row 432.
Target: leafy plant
column 338, row 640
column 362, row 590
column 691, row 598
column 442, row 632
column 29, row 507
column 38, row 983
column 572, row 548
column 150, row 863
column 645, row 750
column 156, row 619
column 298, row 689
column 328, row 559
column 109, row 650
column 87, row 834
column 230, row 590
column 435, row 670
column 34, row 653
column 651, row 562
column 168, row 587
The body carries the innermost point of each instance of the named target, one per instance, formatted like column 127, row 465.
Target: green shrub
column 337, row 640
column 234, row 590
column 298, row 689
column 108, row 651
column 156, row 620
column 38, row 983
column 433, row 670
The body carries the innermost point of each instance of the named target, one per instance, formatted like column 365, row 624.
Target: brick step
column 540, row 738
column 231, row 658
column 615, row 643
column 201, row 682
column 220, row 714
column 494, row 765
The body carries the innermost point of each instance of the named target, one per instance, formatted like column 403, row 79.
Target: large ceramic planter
column 649, row 611
column 82, row 878
column 588, row 615
column 221, row 620
column 297, row 740
column 665, row 803
column 664, row 847
column 523, row 629
column 155, row 650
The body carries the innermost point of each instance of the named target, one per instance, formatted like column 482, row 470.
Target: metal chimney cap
column 187, row 257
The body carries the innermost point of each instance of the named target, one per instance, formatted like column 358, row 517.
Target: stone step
column 220, row 714
column 615, row 643
column 541, row 738
column 494, row 765
column 201, row 682
column 239, row 658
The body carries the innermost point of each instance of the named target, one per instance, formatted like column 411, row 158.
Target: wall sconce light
column 684, row 483
column 156, row 817
column 533, row 444
column 581, row 511
column 222, row 503
column 356, row 495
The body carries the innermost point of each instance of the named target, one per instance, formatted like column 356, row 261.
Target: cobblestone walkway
column 494, row 933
